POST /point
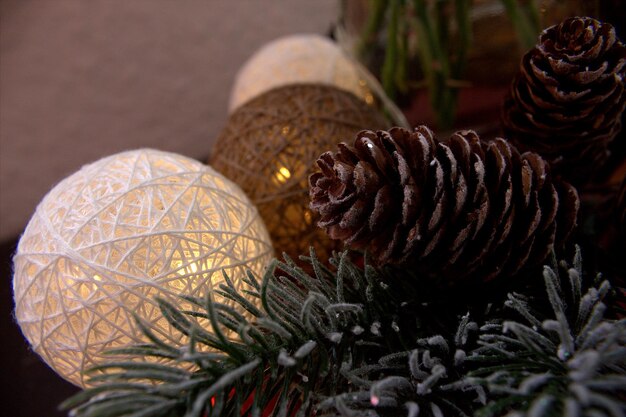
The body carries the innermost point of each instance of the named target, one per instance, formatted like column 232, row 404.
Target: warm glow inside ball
column 114, row 235
column 305, row 58
column 270, row 146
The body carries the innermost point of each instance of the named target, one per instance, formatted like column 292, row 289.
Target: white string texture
column 305, row 58
column 108, row 239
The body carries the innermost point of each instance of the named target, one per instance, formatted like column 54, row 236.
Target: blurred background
column 80, row 80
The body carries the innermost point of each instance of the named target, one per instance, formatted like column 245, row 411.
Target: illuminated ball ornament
column 269, row 147
column 119, row 232
column 304, row 58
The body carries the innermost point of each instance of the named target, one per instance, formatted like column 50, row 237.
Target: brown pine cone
column 460, row 209
column 566, row 102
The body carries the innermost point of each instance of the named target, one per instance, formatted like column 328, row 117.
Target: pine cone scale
column 366, row 180
column 325, row 163
column 591, row 75
column 530, row 225
column 346, row 154
column 439, row 196
column 378, row 217
column 355, row 215
column 368, row 148
column 410, row 204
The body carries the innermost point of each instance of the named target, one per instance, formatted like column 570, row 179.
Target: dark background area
column 29, row 387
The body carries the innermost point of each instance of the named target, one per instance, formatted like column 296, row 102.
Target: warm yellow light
column 185, row 268
column 110, row 238
column 283, row 174
column 94, row 286
column 308, row 218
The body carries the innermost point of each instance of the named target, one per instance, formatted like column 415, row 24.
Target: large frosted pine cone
column 567, row 100
column 460, row 209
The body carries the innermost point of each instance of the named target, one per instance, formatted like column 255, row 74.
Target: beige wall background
column 82, row 79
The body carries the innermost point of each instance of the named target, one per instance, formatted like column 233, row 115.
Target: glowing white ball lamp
column 298, row 59
column 119, row 232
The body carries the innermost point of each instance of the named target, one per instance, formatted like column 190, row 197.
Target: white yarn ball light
column 298, row 59
column 108, row 239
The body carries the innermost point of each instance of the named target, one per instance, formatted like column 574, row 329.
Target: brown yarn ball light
column 269, row 148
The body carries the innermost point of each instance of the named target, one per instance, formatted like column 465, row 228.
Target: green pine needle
column 351, row 341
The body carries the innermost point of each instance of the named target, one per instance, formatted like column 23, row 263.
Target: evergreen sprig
column 295, row 346
column 426, row 381
column 569, row 361
column 358, row 341
column 558, row 357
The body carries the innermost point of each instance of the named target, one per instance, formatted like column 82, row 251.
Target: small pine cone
column 461, row 209
column 567, row 100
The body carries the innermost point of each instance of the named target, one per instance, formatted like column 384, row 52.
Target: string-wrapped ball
column 269, row 147
column 295, row 59
column 118, row 233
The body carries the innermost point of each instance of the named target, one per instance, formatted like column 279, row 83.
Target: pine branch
column 425, row 381
column 571, row 361
column 291, row 350
column 352, row 341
